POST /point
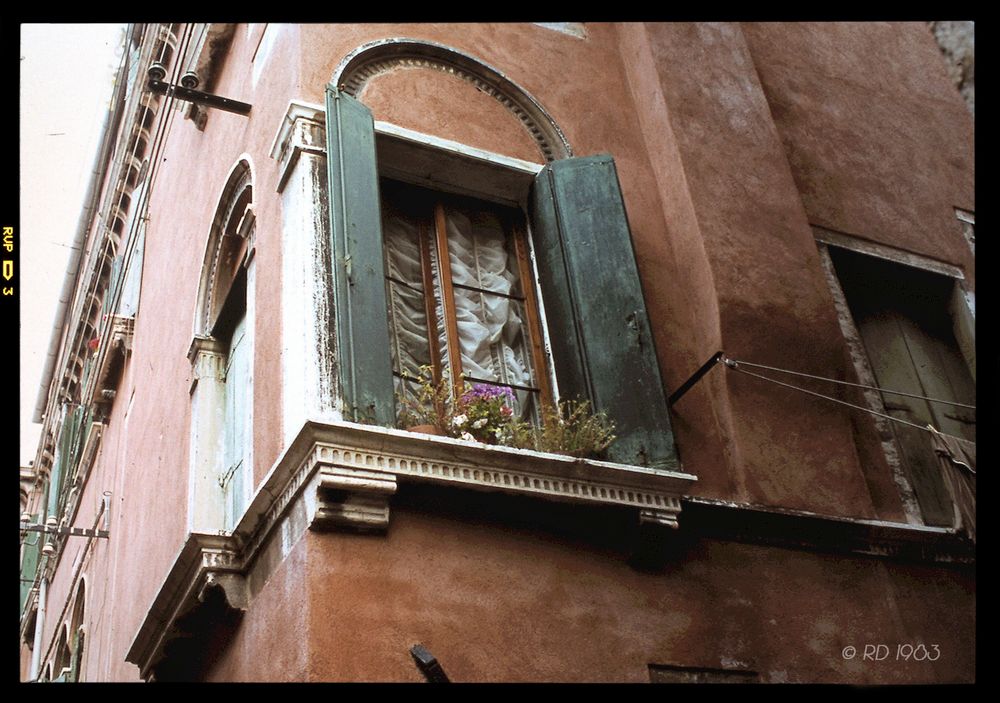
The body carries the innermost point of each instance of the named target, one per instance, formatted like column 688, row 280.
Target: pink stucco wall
column 730, row 141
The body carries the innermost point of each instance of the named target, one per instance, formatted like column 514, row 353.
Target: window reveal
column 902, row 314
column 460, row 295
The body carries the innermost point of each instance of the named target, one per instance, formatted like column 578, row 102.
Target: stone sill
column 367, row 461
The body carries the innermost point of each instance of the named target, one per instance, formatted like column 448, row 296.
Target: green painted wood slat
column 601, row 340
column 359, row 270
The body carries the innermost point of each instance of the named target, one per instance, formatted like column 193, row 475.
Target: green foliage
column 570, row 428
column 484, row 413
column 432, row 404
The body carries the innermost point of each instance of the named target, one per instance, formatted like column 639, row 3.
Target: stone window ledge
column 362, row 464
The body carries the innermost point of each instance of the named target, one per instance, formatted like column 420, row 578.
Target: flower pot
column 425, row 429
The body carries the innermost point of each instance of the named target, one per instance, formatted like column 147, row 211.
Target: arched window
column 222, row 354
column 77, row 633
column 574, row 210
column 61, row 663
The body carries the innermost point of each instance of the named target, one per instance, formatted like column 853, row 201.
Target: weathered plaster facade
column 785, row 535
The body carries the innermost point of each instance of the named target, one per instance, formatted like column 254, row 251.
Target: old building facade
column 290, row 217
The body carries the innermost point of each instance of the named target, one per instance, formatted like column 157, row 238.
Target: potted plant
column 569, row 428
column 484, row 413
column 429, row 410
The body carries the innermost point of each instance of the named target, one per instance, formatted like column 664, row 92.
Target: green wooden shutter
column 29, row 562
column 59, row 467
column 72, row 447
column 602, row 345
column 362, row 323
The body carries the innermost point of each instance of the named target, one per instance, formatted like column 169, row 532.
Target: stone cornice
column 204, row 561
column 344, row 447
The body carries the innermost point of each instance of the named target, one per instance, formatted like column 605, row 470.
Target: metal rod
column 486, row 291
column 695, row 377
column 515, row 386
column 927, row 428
column 73, row 531
column 198, row 97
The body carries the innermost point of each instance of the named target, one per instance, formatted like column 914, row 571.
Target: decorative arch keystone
column 379, row 57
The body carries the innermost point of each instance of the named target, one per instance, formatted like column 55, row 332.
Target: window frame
column 218, row 498
column 438, row 284
column 444, row 169
column 960, row 309
column 588, row 276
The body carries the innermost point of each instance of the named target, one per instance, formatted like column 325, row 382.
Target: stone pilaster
column 308, row 343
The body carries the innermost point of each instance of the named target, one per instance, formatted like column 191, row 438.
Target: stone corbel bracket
column 113, row 359
column 205, row 561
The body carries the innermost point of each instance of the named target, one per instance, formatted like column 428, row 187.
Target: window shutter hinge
column 633, row 323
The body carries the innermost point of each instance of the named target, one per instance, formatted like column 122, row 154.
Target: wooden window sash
column 534, row 323
column 435, row 234
column 448, row 300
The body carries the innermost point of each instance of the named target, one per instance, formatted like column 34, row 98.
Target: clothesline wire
column 854, row 385
column 926, row 428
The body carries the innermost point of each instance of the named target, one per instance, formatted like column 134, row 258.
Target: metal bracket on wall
column 695, row 377
column 428, row 665
column 75, row 531
column 51, row 528
column 198, row 97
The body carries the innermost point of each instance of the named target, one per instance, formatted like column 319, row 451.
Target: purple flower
column 484, row 392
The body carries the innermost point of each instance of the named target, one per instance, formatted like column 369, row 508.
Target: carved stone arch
column 375, row 58
column 227, row 242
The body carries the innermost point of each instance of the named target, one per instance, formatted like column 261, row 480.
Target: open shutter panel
column 29, row 561
column 602, row 346
column 111, row 296
column 129, row 302
column 362, row 323
column 237, row 438
column 59, row 466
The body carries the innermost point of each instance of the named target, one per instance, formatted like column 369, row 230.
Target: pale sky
column 66, row 80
